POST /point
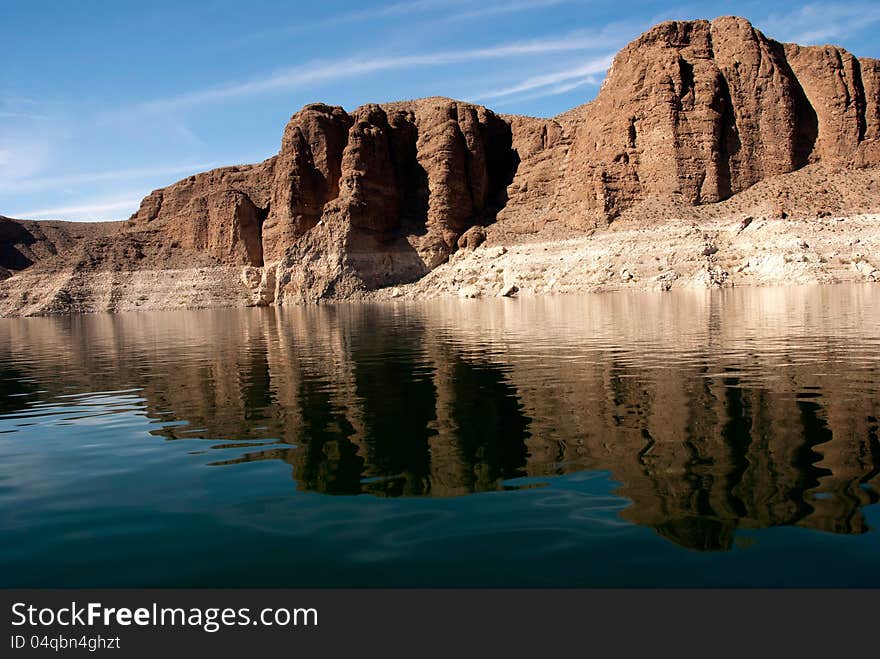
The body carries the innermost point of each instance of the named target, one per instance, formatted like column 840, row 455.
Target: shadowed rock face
column 691, row 112
column 24, row 243
column 16, row 242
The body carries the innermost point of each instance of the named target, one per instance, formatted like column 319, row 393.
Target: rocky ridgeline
column 691, row 113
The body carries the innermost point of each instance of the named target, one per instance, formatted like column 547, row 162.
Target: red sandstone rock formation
column 698, row 111
column 693, row 111
column 392, row 188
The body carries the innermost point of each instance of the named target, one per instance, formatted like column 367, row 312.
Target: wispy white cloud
column 322, row 71
column 29, row 138
column 5, row 114
column 455, row 9
column 359, row 15
column 55, row 182
column 549, row 91
column 13, row 106
column 821, row 22
column 391, row 10
column 368, row 14
column 24, row 156
column 97, row 210
column 438, row 10
column 504, row 8
column 556, row 82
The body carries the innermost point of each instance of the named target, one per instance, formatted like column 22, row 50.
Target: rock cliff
column 691, row 113
column 699, row 111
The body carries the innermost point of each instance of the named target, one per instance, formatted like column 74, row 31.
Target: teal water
column 725, row 438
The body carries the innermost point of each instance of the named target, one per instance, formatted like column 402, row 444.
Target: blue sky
column 101, row 102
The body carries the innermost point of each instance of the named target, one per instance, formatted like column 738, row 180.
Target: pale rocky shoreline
column 662, row 256
column 673, row 254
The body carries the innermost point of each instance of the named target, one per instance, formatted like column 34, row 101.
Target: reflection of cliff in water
column 715, row 412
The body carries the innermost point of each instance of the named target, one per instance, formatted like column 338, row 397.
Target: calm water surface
column 687, row 438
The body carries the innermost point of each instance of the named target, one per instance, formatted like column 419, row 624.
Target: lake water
column 680, row 439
